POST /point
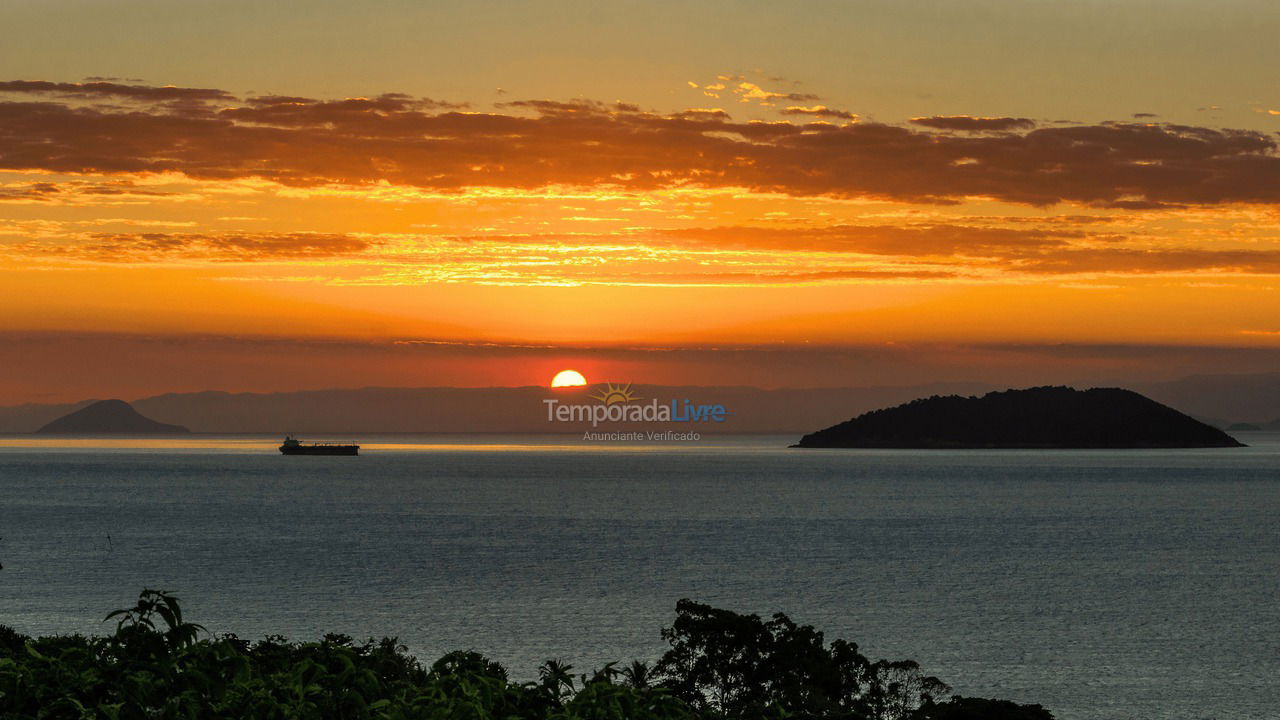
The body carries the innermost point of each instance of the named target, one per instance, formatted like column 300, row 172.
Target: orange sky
column 750, row 211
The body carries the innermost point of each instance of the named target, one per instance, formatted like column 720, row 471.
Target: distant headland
column 1041, row 417
column 109, row 416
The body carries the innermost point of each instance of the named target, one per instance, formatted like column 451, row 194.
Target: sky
column 293, row 195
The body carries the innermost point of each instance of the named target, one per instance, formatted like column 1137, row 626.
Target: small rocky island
column 109, row 416
column 1042, row 417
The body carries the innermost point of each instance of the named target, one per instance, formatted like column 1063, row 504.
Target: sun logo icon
column 611, row 394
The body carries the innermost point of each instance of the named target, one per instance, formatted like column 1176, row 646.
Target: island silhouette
column 109, row 416
column 1040, row 417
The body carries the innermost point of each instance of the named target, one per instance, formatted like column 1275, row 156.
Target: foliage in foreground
column 720, row 665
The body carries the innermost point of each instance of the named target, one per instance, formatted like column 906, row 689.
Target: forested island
column 720, row 665
column 1041, row 417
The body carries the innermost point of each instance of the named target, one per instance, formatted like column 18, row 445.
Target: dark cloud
column 269, row 100
column 702, row 114
column 71, row 190
column 1133, row 260
column 28, row 192
column 574, row 107
column 113, row 188
column 772, row 278
column 1139, row 204
column 397, row 139
column 934, row 240
column 100, row 88
column 821, row 111
column 968, row 123
column 384, row 103
column 1034, row 251
column 298, row 112
column 237, row 247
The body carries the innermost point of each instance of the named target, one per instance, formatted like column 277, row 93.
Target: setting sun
column 568, row 378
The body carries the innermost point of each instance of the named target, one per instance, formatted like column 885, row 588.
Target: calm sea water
column 1101, row 584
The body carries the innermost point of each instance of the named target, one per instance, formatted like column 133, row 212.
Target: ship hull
column 321, row 450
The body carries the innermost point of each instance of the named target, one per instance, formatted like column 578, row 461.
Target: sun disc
column 568, row 378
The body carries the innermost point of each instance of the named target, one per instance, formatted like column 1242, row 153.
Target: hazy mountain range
column 1217, row 399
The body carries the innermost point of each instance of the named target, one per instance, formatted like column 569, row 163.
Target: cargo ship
column 292, row 446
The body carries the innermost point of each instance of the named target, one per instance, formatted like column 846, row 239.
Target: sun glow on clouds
column 344, row 201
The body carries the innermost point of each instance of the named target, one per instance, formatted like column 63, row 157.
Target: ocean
column 1102, row 584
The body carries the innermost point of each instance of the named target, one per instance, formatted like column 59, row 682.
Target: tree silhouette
column 739, row 666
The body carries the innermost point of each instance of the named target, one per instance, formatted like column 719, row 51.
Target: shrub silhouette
column 981, row 709
column 720, row 665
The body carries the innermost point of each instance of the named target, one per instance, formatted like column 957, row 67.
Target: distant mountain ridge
column 1253, row 398
column 108, row 416
column 506, row 409
column 484, row 410
column 1220, row 400
column 1042, row 417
